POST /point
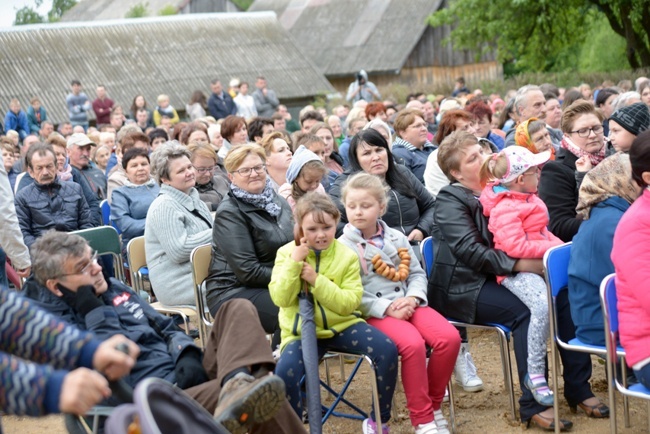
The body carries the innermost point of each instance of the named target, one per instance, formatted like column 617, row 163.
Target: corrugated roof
column 174, row 55
column 98, row 10
column 344, row 36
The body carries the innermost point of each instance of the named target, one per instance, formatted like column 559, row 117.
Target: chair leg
column 506, row 363
column 452, row 408
column 555, row 357
column 327, row 372
column 611, row 393
column 626, row 402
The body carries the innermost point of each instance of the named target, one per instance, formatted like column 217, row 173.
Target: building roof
column 174, row 55
column 344, row 36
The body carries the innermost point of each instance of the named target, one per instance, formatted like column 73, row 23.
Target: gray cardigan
column 176, row 224
column 378, row 291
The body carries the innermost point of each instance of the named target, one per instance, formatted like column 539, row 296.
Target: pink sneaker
column 370, row 427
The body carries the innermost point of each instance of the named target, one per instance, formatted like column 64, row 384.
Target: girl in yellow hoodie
column 332, row 272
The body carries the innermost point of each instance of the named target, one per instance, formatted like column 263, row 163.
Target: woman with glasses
column 582, row 147
column 130, row 202
column 211, row 180
column 251, row 224
column 177, row 222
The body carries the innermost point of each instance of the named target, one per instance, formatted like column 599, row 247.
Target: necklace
column 390, row 272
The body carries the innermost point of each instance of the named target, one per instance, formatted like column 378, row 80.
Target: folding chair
column 200, row 259
column 137, row 265
column 503, row 334
column 106, row 241
column 609, row 302
column 556, row 269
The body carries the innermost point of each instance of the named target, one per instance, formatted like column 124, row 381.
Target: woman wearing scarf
column 533, row 135
column 582, row 148
column 605, row 194
column 251, row 224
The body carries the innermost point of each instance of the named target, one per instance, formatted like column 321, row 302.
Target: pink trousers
column 426, row 326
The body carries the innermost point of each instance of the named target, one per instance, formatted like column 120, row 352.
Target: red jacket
column 518, row 222
column 631, row 258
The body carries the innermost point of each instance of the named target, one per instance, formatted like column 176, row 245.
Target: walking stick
column 309, row 350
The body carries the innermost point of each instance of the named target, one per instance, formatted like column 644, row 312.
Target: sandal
column 545, row 399
column 548, row 423
column 598, row 411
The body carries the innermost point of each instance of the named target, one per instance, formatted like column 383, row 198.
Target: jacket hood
column 490, row 198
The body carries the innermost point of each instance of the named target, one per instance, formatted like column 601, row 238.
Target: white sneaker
column 465, row 371
column 446, row 397
column 427, row 428
column 441, row 422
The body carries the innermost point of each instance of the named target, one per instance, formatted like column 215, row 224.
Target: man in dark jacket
column 49, row 203
column 230, row 379
column 85, row 174
column 220, row 103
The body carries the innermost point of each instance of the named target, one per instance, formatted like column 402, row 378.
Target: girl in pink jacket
column 518, row 220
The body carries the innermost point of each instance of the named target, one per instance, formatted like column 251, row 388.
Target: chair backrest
column 427, row 249
column 105, row 240
column 106, row 212
column 556, row 267
column 200, row 259
column 609, row 301
column 137, row 259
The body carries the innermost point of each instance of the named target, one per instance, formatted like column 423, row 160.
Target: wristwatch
column 417, row 300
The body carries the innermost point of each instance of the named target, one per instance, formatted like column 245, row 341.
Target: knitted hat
column 520, row 160
column 301, row 157
column 635, row 118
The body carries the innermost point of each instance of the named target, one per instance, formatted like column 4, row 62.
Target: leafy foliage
column 59, row 7
column 168, row 10
column 138, row 11
column 27, row 15
column 243, row 4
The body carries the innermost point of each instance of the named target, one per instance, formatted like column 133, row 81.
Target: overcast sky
column 8, row 9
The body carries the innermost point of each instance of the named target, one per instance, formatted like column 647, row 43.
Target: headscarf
column 612, row 177
column 595, row 158
column 522, row 138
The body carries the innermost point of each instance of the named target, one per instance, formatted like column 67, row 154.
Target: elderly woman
column 383, row 129
column 212, row 182
column 333, row 161
column 582, row 147
column 410, row 209
column 234, row 132
column 463, row 284
column 411, row 147
column 130, row 202
column 631, row 257
column 278, row 157
column 605, row 194
column 453, row 120
column 253, row 223
column 177, row 222
column 194, row 132
column 533, row 135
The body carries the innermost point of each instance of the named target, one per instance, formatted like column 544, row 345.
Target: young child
column 518, row 221
column 332, row 272
column 395, row 302
column 164, row 109
column 317, row 146
column 304, row 174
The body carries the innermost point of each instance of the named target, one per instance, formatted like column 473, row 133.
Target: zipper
column 399, row 208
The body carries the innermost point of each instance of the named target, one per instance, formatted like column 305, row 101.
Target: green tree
column 27, row 15
column 59, row 7
column 138, row 11
column 168, row 10
column 536, row 33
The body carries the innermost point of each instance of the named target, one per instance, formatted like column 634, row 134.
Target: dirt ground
column 483, row 412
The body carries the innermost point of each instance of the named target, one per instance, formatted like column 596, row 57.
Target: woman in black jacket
column 410, row 209
column 250, row 225
column 463, row 284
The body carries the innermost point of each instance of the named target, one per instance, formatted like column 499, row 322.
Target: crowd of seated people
column 381, row 177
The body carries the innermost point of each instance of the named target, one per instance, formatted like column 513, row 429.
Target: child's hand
column 308, row 274
column 583, row 164
column 300, row 252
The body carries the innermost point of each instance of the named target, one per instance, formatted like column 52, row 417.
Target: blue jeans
column 383, row 353
column 643, row 375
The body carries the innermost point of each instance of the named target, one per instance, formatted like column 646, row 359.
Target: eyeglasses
column 584, row 132
column 86, row 269
column 247, row 171
column 204, row 169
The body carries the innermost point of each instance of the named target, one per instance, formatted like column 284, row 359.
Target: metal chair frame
column 106, row 241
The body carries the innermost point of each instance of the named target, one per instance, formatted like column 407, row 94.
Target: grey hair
column 378, row 123
column 161, row 157
column 520, row 97
column 50, row 252
column 622, row 100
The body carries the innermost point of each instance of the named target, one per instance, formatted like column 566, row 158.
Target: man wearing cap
column 625, row 124
column 49, row 203
column 84, row 173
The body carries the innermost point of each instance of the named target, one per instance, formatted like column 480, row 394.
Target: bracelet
column 389, row 272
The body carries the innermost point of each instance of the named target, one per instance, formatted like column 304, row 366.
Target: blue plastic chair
column 609, row 303
column 427, row 249
column 106, row 212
